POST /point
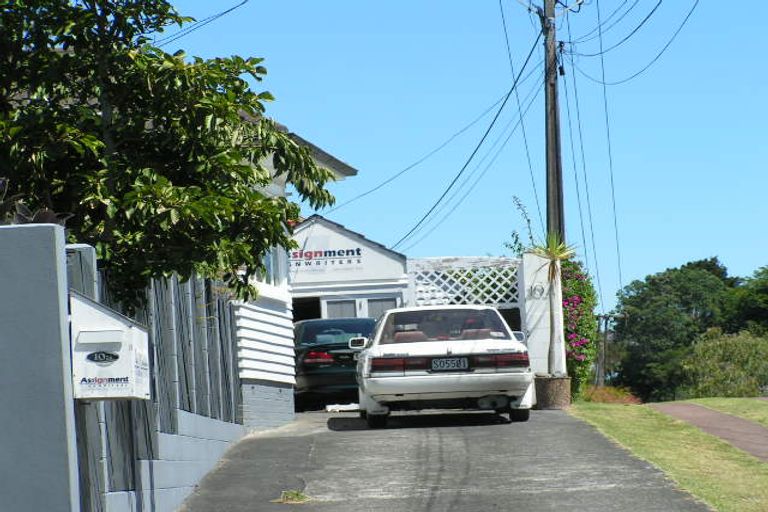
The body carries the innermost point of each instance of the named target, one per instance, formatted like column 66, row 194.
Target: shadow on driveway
column 430, row 420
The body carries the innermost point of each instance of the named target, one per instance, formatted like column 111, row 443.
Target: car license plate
column 446, row 364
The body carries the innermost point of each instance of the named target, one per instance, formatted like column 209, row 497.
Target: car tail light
column 387, row 364
column 416, row 363
column 317, row 357
column 515, row 359
column 518, row 359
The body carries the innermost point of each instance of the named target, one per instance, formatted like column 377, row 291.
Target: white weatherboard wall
column 266, row 357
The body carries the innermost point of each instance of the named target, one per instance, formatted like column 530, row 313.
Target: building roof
column 319, row 218
column 322, row 157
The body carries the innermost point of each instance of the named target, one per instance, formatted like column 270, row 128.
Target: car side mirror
column 358, row 343
column 520, row 336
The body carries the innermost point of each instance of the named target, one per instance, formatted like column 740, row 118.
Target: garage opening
column 512, row 317
column 306, row 308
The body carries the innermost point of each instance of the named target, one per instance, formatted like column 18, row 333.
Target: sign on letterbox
column 110, row 358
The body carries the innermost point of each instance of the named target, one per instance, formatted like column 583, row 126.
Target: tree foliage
column 665, row 313
column 162, row 159
column 749, row 304
column 728, row 365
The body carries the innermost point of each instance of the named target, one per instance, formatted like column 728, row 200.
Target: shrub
column 609, row 395
column 734, row 365
column 580, row 324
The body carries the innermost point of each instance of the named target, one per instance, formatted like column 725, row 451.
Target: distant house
column 265, row 325
column 336, row 272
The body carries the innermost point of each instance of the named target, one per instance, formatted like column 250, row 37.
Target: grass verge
column 724, row 477
column 752, row 409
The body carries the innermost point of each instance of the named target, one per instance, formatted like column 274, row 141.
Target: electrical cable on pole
column 585, row 178
column 429, row 154
column 625, row 38
column 575, row 172
column 610, row 152
column 522, row 124
column 651, row 63
column 455, row 206
column 477, row 148
column 196, row 26
column 555, row 214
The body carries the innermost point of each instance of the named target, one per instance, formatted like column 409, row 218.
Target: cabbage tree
column 554, row 250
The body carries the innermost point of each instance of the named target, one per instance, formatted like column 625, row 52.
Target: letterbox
column 110, row 358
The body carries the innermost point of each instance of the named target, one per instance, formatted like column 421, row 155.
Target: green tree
column 664, row 314
column 161, row 159
column 728, row 365
column 749, row 304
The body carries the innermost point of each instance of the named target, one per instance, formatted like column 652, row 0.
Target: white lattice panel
column 486, row 281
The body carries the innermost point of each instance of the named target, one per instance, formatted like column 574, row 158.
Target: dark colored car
column 325, row 365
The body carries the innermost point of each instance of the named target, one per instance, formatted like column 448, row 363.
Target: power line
column 651, row 63
column 532, row 97
column 471, row 156
column 522, row 126
column 196, row 26
column 610, row 150
column 430, row 153
column 627, row 37
column 586, row 180
column 575, row 171
column 586, row 37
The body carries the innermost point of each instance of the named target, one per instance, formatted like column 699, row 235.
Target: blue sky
column 379, row 85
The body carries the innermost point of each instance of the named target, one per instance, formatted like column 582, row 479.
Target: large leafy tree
column 664, row 314
column 162, row 159
column 749, row 304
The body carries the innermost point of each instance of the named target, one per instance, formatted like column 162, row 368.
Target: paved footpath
column 744, row 434
column 452, row 462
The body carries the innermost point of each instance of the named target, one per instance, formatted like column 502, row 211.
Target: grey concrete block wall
column 266, row 404
column 183, row 460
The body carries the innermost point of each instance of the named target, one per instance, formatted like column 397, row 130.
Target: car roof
column 333, row 320
column 443, row 307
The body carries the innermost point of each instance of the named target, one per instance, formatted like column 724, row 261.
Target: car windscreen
column 332, row 331
column 443, row 324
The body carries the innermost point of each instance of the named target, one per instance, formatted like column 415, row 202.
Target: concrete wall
column 267, row 404
column 534, row 283
column 183, row 460
column 38, row 461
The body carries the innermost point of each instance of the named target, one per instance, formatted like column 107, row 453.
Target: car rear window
column 332, row 331
column 443, row 324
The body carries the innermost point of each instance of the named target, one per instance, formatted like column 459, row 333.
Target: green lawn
column 752, row 409
column 726, row 478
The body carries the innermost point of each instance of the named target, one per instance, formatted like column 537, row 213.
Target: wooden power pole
column 555, row 215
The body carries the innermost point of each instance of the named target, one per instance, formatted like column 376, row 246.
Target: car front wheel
column 376, row 420
column 516, row 415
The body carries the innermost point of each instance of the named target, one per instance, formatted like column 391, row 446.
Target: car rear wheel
column 516, row 415
column 376, row 420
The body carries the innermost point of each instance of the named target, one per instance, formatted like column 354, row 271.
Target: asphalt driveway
column 437, row 462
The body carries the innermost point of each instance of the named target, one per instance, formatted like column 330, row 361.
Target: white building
column 336, row 272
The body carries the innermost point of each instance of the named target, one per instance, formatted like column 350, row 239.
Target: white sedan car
column 443, row 357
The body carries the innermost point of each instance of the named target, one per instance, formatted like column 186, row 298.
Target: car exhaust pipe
column 493, row 402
